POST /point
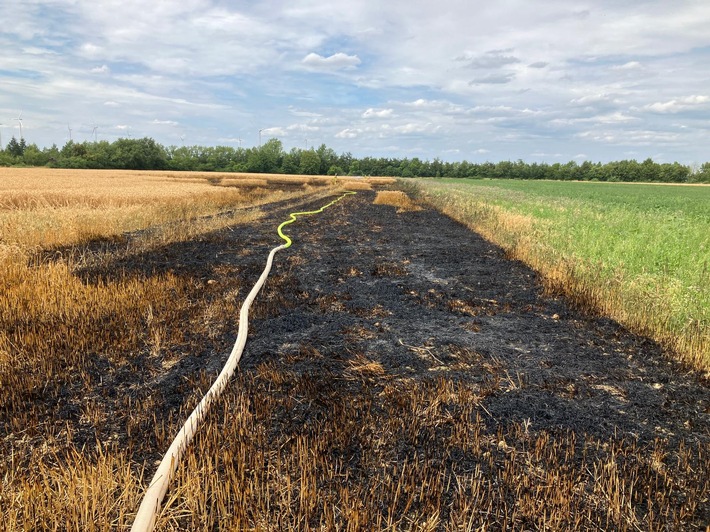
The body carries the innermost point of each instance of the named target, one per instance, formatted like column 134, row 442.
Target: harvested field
column 400, row 374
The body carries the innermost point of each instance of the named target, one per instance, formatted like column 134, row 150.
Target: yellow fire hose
column 150, row 505
column 294, row 215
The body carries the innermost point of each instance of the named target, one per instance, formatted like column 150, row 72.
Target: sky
column 542, row 81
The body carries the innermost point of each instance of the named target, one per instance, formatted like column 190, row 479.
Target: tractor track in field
column 424, row 299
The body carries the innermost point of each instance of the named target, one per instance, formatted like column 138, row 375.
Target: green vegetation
column 146, row 154
column 639, row 253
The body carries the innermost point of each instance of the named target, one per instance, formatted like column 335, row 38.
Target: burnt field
column 400, row 373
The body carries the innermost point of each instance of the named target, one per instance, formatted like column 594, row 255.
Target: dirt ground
column 422, row 297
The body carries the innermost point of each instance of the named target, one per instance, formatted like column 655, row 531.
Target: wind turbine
column 95, row 133
column 262, row 129
column 1, row 145
column 69, row 128
column 182, row 139
column 239, row 140
column 19, row 121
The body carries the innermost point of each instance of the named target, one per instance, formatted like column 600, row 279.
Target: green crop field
column 638, row 253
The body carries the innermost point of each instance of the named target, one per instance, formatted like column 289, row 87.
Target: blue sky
column 552, row 80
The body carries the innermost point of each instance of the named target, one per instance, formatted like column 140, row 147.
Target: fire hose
column 147, row 514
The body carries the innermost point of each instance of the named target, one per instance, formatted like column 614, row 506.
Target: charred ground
column 424, row 297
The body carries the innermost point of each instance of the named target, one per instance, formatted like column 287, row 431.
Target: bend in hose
column 294, row 215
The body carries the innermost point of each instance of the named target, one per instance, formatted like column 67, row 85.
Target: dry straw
column 396, row 198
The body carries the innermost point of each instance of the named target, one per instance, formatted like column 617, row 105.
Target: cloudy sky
column 538, row 80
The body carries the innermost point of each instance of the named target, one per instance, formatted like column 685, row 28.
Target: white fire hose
column 150, row 506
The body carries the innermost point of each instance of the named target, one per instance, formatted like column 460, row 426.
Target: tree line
column 147, row 154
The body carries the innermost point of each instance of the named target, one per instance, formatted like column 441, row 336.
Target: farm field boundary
column 637, row 253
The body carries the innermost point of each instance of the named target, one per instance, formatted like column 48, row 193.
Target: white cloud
column 591, row 98
column 164, row 122
column 492, row 109
column 490, row 60
column 613, row 118
column 91, row 50
column 103, row 69
column 348, row 134
column 421, row 102
column 412, row 128
column 438, row 106
column 339, row 61
column 273, row 132
column 544, row 155
column 303, row 127
column 377, row 113
column 36, row 50
column 493, row 79
column 631, row 137
column 304, row 114
column 680, row 104
column 631, row 65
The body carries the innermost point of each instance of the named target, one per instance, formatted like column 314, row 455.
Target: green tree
column 335, row 170
column 180, row 158
column 310, row 163
column 99, row 154
column 354, row 168
column 702, row 174
column 14, row 148
column 327, row 157
column 32, row 156
column 135, row 154
column 266, row 158
column 291, row 163
column 674, row 173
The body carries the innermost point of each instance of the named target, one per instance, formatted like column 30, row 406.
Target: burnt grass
column 425, row 281
column 370, row 304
